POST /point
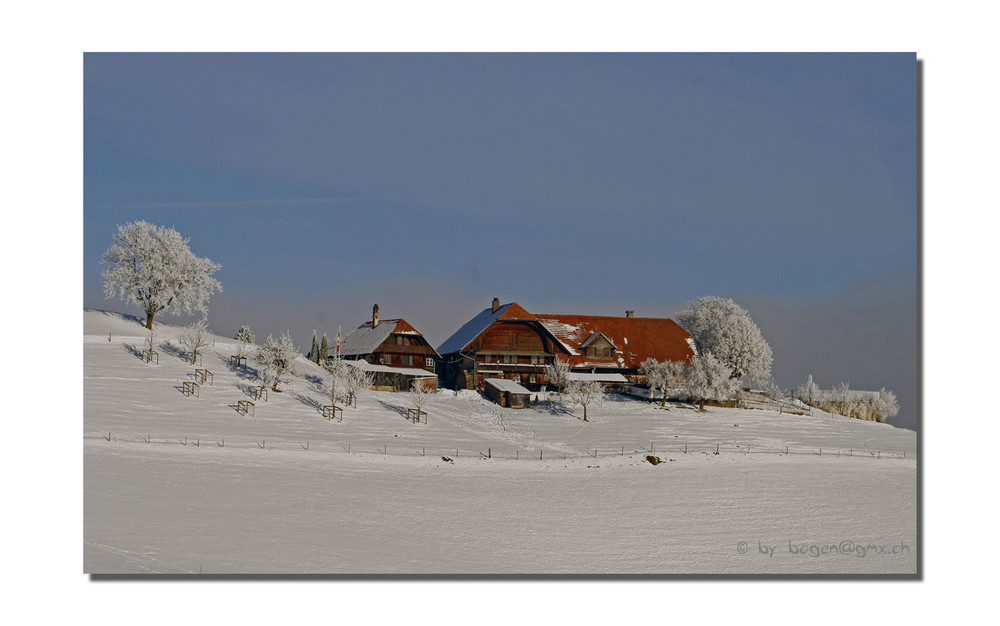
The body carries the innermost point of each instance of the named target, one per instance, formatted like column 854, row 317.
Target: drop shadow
column 395, row 408
column 309, row 402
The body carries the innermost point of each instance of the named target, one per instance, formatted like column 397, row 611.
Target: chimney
column 629, row 313
column 374, row 316
column 496, row 304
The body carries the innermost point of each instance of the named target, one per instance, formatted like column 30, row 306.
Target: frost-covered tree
column 725, row 329
column 557, row 373
column 339, row 371
column 357, row 379
column 840, row 399
column 886, row 406
column 420, row 394
column 194, row 337
column 657, row 375
column 708, row 378
column 774, row 391
column 153, row 267
column 245, row 339
column 583, row 392
column 808, row 392
column 662, row 376
column 274, row 358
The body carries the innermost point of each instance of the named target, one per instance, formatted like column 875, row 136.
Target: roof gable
column 366, row 339
column 475, row 327
column 596, row 338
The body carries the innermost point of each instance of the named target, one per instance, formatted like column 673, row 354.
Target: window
column 531, row 378
column 599, row 353
column 429, row 362
column 407, row 359
column 385, row 359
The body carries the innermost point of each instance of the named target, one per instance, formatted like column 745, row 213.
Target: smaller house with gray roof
column 393, row 344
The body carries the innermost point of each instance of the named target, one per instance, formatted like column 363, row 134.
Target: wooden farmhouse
column 508, row 342
column 394, row 350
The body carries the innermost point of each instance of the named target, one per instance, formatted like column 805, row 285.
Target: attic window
column 600, row 352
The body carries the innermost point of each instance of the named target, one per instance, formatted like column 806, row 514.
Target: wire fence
column 525, row 453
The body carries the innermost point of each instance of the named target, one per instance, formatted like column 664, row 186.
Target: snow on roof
column 601, row 378
column 593, row 337
column 563, row 331
column 365, row 338
column 504, row 384
column 474, row 327
column 386, row 369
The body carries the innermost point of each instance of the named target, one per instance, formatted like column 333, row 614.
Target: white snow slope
column 177, row 484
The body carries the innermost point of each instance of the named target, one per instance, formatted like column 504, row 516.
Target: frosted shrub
column 557, row 373
column 808, row 391
column 274, row 358
column 194, row 337
column 886, row 406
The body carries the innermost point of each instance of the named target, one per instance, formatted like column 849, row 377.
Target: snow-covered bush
column 808, row 391
column 875, row 406
column 153, row 267
column 725, row 329
column 657, row 376
column 708, row 378
column 886, row 406
column 339, row 371
column 663, row 376
column 356, row 379
column 194, row 337
column 774, row 392
column 274, row 358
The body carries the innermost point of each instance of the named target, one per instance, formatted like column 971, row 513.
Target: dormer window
column 595, row 352
column 598, row 346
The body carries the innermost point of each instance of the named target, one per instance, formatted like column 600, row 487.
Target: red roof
column 635, row 338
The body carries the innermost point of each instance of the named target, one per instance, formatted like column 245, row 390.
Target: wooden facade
column 391, row 342
column 404, row 349
column 508, row 342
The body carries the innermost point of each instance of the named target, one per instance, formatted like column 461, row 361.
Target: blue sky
column 570, row 183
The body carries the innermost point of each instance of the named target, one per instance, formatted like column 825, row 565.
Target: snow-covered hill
column 177, row 483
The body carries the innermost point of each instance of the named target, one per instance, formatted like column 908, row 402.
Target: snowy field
column 177, row 484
